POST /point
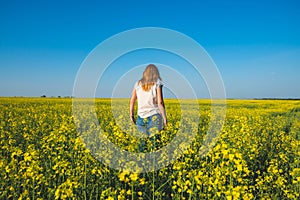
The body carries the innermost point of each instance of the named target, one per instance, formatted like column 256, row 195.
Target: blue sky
column 255, row 44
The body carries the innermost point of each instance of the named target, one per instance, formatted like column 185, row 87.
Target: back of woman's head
column 150, row 77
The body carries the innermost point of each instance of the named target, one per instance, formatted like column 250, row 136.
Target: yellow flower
column 122, row 191
column 122, row 175
column 142, row 181
column 229, row 197
column 7, row 169
column 134, row 176
column 231, row 156
column 239, row 167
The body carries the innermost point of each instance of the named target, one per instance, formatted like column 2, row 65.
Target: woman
column 151, row 109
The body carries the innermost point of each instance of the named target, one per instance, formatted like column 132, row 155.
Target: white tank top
column 147, row 100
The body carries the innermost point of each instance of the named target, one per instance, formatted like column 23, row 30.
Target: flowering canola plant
column 257, row 155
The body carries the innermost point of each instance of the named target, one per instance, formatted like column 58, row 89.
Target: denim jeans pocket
column 146, row 125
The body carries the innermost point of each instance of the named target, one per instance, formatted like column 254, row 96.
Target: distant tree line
column 44, row 96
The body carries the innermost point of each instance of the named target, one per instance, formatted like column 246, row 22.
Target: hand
column 132, row 119
column 165, row 123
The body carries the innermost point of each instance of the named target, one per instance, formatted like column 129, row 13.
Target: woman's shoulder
column 159, row 83
column 137, row 84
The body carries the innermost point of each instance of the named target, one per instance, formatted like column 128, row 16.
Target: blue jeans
column 147, row 124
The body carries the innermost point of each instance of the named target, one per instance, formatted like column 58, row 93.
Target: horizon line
column 204, row 98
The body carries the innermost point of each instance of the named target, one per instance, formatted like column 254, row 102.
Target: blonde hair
column 150, row 77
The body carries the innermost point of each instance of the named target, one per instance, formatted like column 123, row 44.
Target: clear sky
column 255, row 44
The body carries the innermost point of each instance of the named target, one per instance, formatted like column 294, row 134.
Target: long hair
column 150, row 77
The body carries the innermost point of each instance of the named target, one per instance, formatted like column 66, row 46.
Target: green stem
column 33, row 194
column 193, row 182
column 132, row 189
column 97, row 192
column 153, row 174
column 153, row 187
column 163, row 184
column 91, row 197
column 84, row 191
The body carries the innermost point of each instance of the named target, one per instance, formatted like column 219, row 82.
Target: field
column 43, row 156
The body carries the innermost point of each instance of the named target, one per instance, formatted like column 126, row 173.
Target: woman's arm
column 161, row 105
column 131, row 107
